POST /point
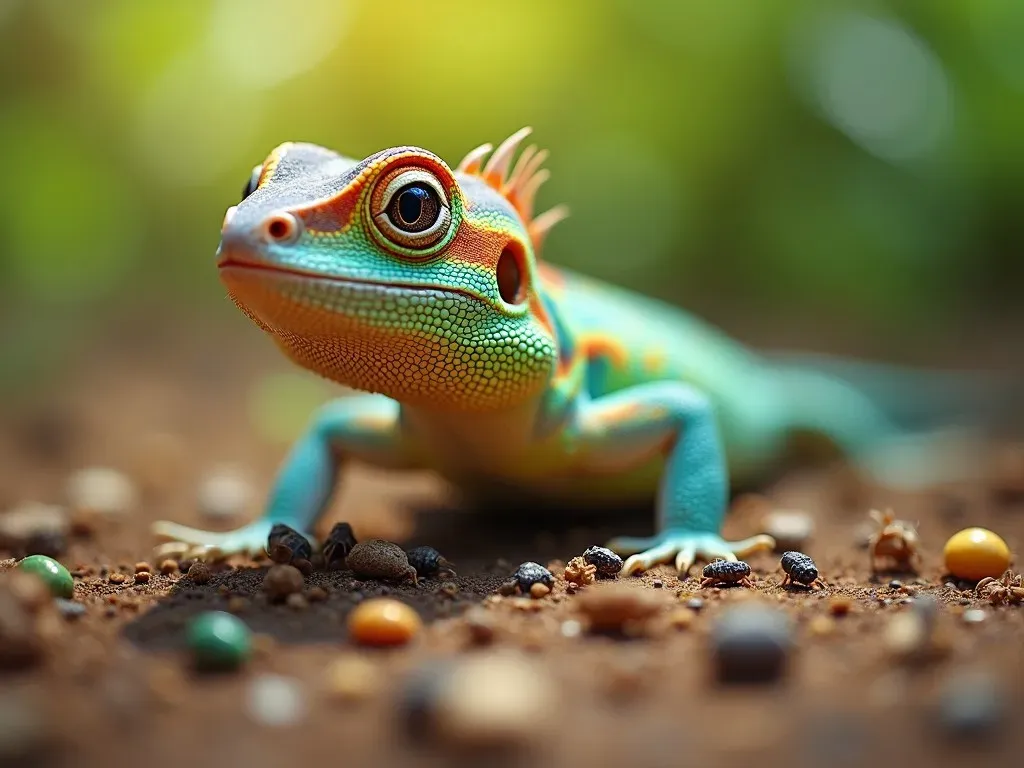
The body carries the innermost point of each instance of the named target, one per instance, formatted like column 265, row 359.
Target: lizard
column 421, row 287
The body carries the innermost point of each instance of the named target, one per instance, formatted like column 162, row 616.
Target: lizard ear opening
column 510, row 272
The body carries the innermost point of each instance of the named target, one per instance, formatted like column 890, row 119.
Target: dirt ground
column 116, row 689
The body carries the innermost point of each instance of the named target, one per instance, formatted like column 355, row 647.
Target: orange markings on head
column 473, row 245
column 335, row 214
column 595, row 345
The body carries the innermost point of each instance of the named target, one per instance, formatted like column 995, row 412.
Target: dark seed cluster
column 338, row 544
column 285, row 544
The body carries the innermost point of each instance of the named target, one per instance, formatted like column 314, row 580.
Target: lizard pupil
column 415, row 208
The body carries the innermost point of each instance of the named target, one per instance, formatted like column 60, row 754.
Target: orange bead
column 381, row 621
column 975, row 553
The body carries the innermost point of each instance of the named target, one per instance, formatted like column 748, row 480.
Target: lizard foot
column 196, row 544
column 685, row 547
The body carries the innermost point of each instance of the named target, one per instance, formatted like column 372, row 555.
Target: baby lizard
column 420, row 285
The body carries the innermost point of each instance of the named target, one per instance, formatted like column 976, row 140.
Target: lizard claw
column 184, row 542
column 685, row 547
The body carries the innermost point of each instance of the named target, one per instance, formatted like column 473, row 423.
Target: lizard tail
column 907, row 427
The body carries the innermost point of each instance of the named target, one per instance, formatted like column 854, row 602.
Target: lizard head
column 396, row 274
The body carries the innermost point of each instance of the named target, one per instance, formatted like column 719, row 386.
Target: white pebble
column 224, row 493
column 32, row 518
column 790, row 529
column 974, row 616
column 101, row 490
column 275, row 700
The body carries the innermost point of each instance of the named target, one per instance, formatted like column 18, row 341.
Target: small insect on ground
column 800, row 569
column 337, row 545
column 893, row 539
column 726, row 572
column 285, row 544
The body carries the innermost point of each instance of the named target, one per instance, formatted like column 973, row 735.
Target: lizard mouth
column 229, row 265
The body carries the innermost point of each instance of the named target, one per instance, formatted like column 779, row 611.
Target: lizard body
column 422, row 286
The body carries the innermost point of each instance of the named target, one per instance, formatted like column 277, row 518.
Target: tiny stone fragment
column 142, row 577
column 199, row 573
column 751, row 644
column 281, row 581
column 140, row 567
column 617, row 607
column 379, row 559
column 607, row 563
column 539, row 590
column 117, row 578
column 69, row 609
column 974, row 616
column 168, row 567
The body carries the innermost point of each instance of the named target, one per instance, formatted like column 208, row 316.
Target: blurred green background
column 848, row 169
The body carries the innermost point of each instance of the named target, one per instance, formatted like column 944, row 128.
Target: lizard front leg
column 623, row 431
column 362, row 427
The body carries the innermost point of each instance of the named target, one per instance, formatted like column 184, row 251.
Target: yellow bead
column 382, row 621
column 975, row 553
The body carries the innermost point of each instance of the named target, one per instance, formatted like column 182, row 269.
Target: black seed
column 607, row 562
column 285, row 544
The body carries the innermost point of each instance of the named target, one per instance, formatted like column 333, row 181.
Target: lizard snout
column 240, row 234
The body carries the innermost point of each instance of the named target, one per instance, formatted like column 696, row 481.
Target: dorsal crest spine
column 518, row 183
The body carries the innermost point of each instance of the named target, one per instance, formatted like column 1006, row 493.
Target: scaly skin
column 490, row 368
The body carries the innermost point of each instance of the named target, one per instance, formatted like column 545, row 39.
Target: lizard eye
column 253, row 182
column 414, row 210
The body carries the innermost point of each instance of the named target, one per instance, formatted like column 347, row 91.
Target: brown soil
column 119, row 691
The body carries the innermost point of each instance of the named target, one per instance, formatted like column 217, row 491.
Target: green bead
column 53, row 574
column 219, row 641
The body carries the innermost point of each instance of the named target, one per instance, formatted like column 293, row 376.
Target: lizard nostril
column 281, row 227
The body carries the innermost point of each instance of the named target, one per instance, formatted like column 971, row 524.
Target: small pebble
column 975, row 553
column 168, row 567
column 219, row 641
column 840, row 605
column 69, row 609
column 617, row 607
column 791, row 529
column 275, row 701
column 822, row 626
column 480, row 626
column 316, row 594
column 427, row 561
column 608, row 563
column 117, row 578
column 971, row 706
column 22, row 523
column 53, row 574
column 751, row 644
column 379, row 559
column 974, row 616
column 199, row 573
column 381, row 621
column 296, row 601
column 895, row 584
column 530, row 573
column 570, row 628
column 140, row 567
column 281, row 581
column 101, row 491
column 338, row 544
column 539, row 590
column 499, row 700
column 351, row 678
column 142, row 577
column 225, row 493
column 694, row 603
